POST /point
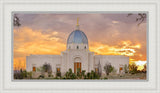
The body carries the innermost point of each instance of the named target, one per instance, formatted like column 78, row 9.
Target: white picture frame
column 8, row 6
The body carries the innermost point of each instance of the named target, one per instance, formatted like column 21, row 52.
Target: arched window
column 34, row 68
column 77, row 47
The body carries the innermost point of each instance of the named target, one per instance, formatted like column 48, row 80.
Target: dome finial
column 77, row 23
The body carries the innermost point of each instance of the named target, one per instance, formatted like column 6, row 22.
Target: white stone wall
column 116, row 60
column 66, row 60
column 91, row 61
column 39, row 60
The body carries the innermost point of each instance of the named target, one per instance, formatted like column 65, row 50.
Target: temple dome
column 77, row 37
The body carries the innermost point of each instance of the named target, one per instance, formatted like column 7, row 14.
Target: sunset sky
column 108, row 34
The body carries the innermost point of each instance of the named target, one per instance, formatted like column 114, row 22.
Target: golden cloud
column 124, row 48
column 28, row 41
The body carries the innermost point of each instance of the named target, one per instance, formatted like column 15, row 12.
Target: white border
column 112, row 5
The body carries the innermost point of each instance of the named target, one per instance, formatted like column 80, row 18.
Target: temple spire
column 77, row 21
column 77, row 26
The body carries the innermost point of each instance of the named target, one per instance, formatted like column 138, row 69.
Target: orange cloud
column 28, row 42
column 125, row 48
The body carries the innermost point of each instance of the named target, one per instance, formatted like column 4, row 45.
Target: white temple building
column 77, row 55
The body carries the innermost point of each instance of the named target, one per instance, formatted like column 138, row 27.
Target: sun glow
column 126, row 48
column 140, row 64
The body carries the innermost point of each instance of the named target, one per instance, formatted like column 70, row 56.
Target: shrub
column 88, row 75
column 81, row 75
column 70, row 75
column 47, row 68
column 58, row 74
column 92, row 75
column 108, row 68
column 21, row 74
column 133, row 68
column 73, row 76
column 105, row 78
column 41, row 76
column 29, row 75
column 50, row 75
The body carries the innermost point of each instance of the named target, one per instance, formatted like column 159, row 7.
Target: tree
column 108, row 68
column 16, row 21
column 145, row 68
column 133, row 68
column 47, row 68
column 21, row 74
column 140, row 18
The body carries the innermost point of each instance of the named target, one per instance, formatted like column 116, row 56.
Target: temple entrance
column 77, row 66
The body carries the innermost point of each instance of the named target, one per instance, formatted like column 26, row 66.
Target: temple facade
column 77, row 55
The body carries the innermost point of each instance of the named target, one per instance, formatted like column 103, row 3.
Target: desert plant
column 70, row 75
column 29, row 75
column 17, row 75
column 47, row 68
column 133, row 68
column 83, row 73
column 21, row 74
column 126, row 68
column 41, row 76
column 79, row 73
column 91, row 75
column 99, row 69
column 145, row 68
column 108, row 68
column 58, row 74
column 73, row 76
column 105, row 78
column 70, row 70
